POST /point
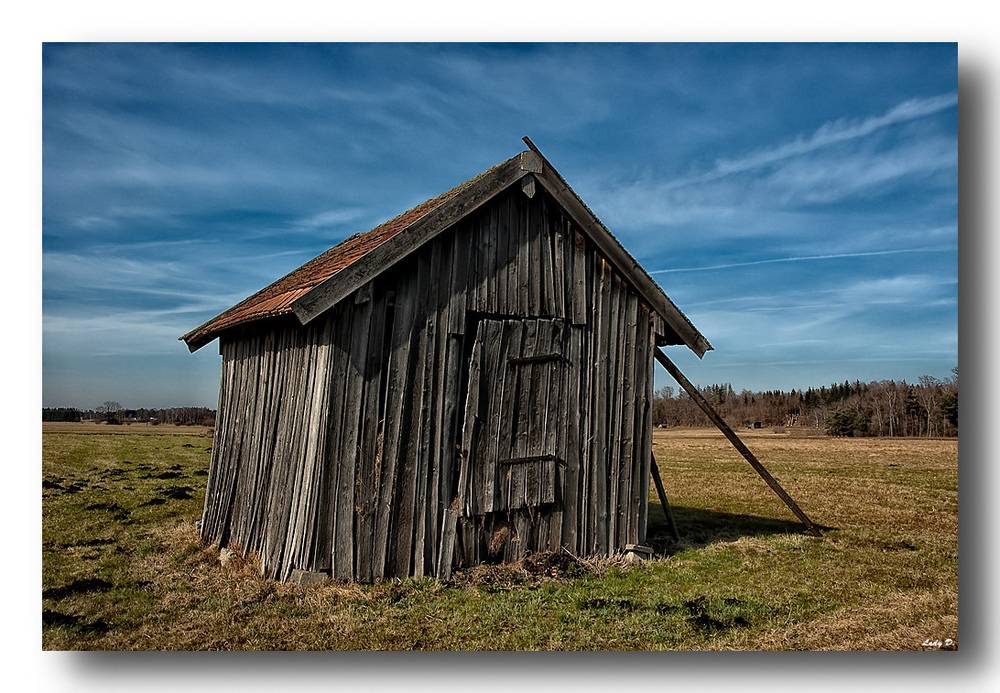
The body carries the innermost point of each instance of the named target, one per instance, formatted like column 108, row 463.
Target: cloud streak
column 831, row 133
column 804, row 258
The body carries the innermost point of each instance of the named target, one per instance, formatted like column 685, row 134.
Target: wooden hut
column 468, row 382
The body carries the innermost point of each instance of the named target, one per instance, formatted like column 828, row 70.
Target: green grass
column 123, row 571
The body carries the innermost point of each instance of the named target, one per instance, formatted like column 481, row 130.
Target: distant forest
column 115, row 414
column 883, row 408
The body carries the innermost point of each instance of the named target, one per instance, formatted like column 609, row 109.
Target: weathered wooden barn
column 466, row 383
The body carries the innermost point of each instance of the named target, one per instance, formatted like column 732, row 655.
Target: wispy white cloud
column 329, row 219
column 120, row 334
column 916, row 289
column 834, row 132
column 841, row 161
column 804, row 258
column 838, row 175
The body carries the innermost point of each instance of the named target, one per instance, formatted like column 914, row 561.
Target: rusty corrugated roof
column 277, row 298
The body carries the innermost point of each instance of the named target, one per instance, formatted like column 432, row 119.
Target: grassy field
column 123, row 568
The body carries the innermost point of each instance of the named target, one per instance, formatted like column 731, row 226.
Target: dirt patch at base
column 529, row 571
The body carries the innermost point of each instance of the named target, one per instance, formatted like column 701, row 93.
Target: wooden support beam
column 658, row 482
column 733, row 438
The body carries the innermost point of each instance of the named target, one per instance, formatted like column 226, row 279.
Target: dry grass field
column 123, row 568
column 885, row 573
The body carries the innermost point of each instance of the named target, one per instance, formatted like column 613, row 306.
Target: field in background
column 94, row 427
column 123, row 568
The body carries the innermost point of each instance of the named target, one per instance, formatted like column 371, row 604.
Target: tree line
column 113, row 413
column 878, row 408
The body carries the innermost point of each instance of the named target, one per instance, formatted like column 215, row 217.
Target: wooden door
column 514, row 432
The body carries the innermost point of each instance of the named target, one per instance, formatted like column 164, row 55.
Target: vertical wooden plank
column 416, row 446
column 210, row 525
column 471, row 422
column 443, row 438
column 274, row 511
column 541, row 401
column 534, row 260
column 233, row 477
column 496, row 371
column 472, row 419
column 270, row 538
column 556, row 411
column 339, row 357
column 602, row 410
column 523, row 258
column 344, row 531
column 525, row 400
column 493, row 258
column 449, row 438
column 297, row 495
column 314, row 433
column 244, row 477
column 503, row 427
column 228, row 453
column 588, row 373
column 482, row 260
column 285, row 504
column 501, row 269
column 264, row 423
column 459, row 278
column 612, row 344
column 474, row 260
column 447, row 552
column 405, row 509
column 560, row 280
column 395, row 428
column 581, row 309
column 647, row 431
column 636, row 532
column 314, row 428
column 512, row 306
column 293, row 521
column 546, row 303
column 368, row 444
column 574, row 414
column 423, row 457
column 425, row 540
column 627, row 509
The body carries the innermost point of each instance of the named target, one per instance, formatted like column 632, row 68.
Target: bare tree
column 110, row 412
column 928, row 395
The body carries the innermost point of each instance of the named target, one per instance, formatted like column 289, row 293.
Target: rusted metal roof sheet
column 277, row 298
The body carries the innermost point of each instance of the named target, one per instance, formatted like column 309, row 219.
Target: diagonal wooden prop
column 671, row 525
column 731, row 435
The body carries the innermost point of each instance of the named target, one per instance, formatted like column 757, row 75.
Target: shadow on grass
column 699, row 528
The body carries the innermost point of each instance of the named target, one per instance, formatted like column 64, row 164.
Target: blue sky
column 797, row 201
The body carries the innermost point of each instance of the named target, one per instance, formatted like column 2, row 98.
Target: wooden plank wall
column 336, row 443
